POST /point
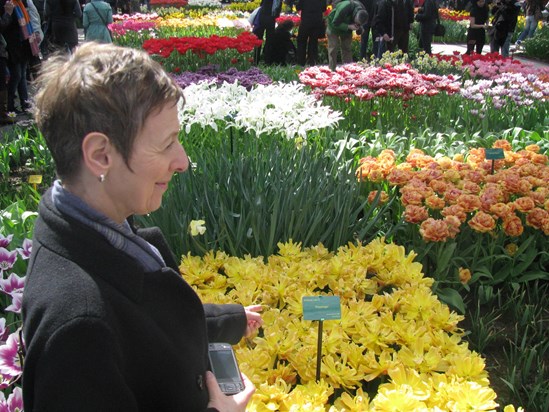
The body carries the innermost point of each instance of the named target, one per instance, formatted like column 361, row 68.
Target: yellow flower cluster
column 442, row 194
column 393, row 331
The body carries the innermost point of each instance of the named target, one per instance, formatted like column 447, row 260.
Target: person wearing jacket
column 533, row 14
column 391, row 26
column 478, row 23
column 96, row 17
column 265, row 28
column 5, row 21
column 504, row 21
column 427, row 17
column 345, row 17
column 61, row 16
column 109, row 324
column 310, row 30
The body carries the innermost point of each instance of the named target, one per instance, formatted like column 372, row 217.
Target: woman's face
column 156, row 155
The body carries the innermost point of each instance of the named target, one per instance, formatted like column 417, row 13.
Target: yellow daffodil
column 196, row 227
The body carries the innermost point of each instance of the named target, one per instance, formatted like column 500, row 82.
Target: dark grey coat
column 102, row 335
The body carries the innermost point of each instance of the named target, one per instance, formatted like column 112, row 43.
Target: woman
column 265, row 27
column 96, row 19
column 533, row 14
column 311, row 29
column 5, row 21
column 427, row 17
column 19, row 39
column 62, row 15
column 478, row 23
column 109, row 323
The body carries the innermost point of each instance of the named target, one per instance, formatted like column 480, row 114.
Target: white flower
column 279, row 108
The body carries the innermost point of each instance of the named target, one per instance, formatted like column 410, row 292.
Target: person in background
column 383, row 26
column 282, row 44
column 478, row 24
column 62, row 15
column 36, row 22
column 533, row 13
column 20, row 41
column 310, row 30
column 109, row 322
column 264, row 30
column 5, row 21
column 427, row 17
column 504, row 21
column 346, row 17
column 370, row 7
column 97, row 16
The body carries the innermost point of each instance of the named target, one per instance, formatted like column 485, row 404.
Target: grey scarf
column 120, row 236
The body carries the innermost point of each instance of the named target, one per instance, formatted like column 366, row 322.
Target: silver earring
column 101, row 177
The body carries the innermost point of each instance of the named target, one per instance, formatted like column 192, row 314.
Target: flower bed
column 396, row 346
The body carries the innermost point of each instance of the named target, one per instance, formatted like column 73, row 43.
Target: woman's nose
column 181, row 162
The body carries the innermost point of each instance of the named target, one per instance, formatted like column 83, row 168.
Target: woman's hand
column 232, row 403
column 253, row 319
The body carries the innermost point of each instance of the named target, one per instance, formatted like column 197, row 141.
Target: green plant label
column 321, row 307
column 494, row 154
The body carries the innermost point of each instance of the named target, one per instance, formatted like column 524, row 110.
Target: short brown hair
column 100, row 88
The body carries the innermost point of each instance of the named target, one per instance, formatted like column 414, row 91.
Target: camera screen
column 223, row 364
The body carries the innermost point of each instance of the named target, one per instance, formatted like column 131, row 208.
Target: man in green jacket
column 346, row 16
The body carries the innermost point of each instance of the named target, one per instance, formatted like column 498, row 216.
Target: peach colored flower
column 469, row 203
column 476, row 157
column 512, row 225
column 540, row 159
column 383, row 197
column 502, row 210
column 452, row 175
column 455, row 210
column 415, row 214
column 434, row 202
column 452, row 194
column 532, row 148
column 418, row 159
column 433, row 230
column 539, row 196
column 464, row 275
column 459, row 157
column 482, row 222
column 537, row 218
column 476, row 176
column 470, row 187
column 410, row 195
column 399, row 177
column 454, row 224
column 502, row 144
column 439, row 186
column 445, row 162
column 524, row 204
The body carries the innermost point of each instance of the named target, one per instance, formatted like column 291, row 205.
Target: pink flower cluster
column 131, row 25
column 366, row 82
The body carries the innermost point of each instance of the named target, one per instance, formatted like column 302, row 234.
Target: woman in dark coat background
column 19, row 56
column 62, row 15
column 478, row 23
column 427, row 17
column 264, row 30
column 311, row 29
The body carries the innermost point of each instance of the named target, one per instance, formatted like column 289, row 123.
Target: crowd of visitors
column 30, row 30
column 388, row 23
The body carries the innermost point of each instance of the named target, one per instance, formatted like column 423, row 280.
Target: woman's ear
column 97, row 152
